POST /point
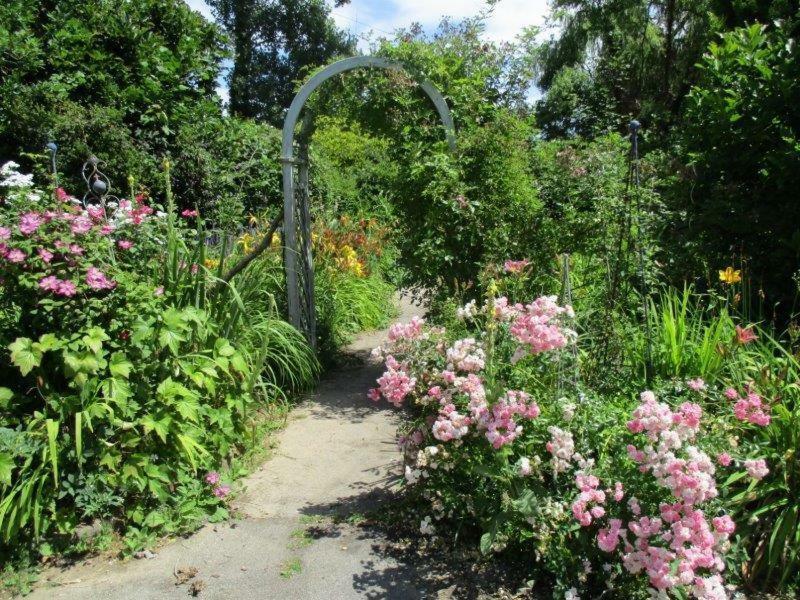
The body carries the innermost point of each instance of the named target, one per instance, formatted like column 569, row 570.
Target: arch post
column 297, row 253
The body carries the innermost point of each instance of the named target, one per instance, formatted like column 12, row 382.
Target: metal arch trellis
column 298, row 261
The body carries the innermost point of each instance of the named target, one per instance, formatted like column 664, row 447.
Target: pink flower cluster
column 498, row 421
column 406, row 331
column 589, row 494
column 97, row 280
column 29, row 222
column 465, row 355
column 679, row 547
column 213, row 479
column 60, row 287
column 756, row 468
column 750, row 408
column 394, row 385
column 561, row 447
column 450, row 424
column 504, row 311
column 537, row 326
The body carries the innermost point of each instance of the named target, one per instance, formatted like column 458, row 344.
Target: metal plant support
column 98, row 186
column 298, row 260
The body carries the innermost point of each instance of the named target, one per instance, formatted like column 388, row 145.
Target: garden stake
column 648, row 359
column 566, row 299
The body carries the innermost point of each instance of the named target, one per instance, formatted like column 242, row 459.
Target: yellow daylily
column 730, row 276
column 246, row 241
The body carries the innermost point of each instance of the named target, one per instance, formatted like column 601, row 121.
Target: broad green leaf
column 94, row 339
column 25, row 355
column 119, row 365
column 160, row 426
column 49, row 342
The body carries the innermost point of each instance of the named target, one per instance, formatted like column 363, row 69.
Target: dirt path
column 337, row 456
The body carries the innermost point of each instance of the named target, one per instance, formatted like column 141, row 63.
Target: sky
column 382, row 17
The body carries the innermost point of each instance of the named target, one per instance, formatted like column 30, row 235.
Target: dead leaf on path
column 184, row 574
column 197, row 586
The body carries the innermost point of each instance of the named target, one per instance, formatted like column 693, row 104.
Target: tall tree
column 637, row 58
column 273, row 42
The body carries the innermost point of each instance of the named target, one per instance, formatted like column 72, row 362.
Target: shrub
column 128, row 376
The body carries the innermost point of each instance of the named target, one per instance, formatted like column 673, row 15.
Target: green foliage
column 768, row 512
column 742, row 143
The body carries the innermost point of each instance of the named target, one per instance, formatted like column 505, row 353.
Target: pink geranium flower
column 49, row 283
column 696, row 385
column 97, row 280
column 66, row 288
column 45, row 254
column 81, row 225
column 29, row 223
column 125, row 244
column 222, row 491
column 5, row 233
column 212, row 478
column 189, row 213
column 15, row 255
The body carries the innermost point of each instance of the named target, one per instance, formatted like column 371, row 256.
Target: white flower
column 523, row 466
column 412, row 475
column 572, row 594
column 469, row 310
column 12, row 178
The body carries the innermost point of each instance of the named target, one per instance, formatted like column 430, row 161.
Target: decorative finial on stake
column 98, row 186
column 52, row 148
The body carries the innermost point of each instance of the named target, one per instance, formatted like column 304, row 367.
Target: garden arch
column 298, row 261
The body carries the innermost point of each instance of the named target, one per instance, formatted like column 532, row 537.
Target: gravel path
column 337, row 456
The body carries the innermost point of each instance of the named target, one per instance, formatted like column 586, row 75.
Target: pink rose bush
column 626, row 499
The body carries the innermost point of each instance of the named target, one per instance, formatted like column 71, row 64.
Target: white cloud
column 201, row 7
column 507, row 19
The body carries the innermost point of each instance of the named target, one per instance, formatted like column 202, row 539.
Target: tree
column 638, row 55
column 274, row 41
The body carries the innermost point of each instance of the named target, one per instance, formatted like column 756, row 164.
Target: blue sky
column 364, row 18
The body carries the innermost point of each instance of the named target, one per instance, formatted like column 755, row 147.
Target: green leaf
column 6, row 468
column 5, row 397
column 487, row 539
column 119, row 365
column 160, row 426
column 25, row 355
column 94, row 339
column 79, row 438
column 223, row 347
column 49, row 342
column 52, row 435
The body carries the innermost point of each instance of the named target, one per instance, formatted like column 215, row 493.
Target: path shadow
column 402, row 564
